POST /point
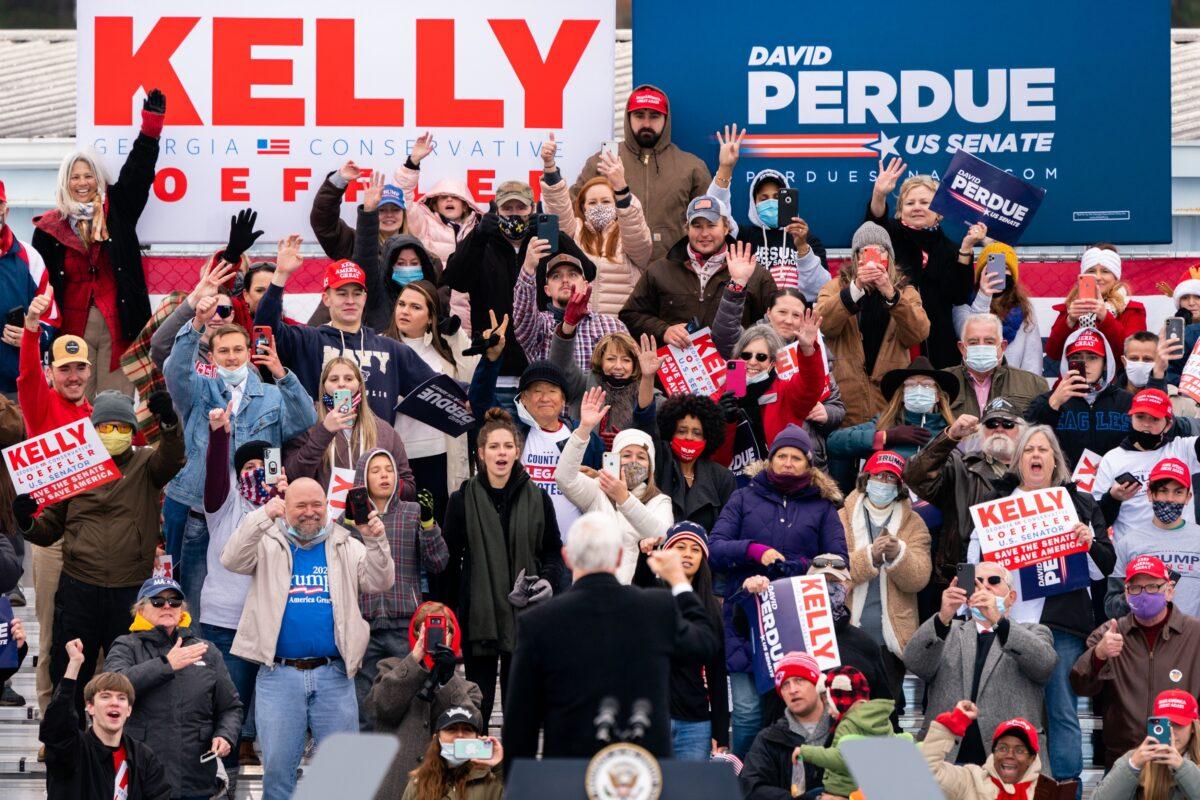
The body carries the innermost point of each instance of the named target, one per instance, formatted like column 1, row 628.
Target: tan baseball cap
column 68, row 350
column 514, row 190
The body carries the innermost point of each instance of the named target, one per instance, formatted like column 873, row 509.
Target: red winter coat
column 1115, row 329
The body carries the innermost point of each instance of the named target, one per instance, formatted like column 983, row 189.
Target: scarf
column 1020, row 790
column 787, row 485
column 705, row 268
column 620, row 412
column 495, row 557
column 1012, row 324
column 1089, row 320
column 88, row 221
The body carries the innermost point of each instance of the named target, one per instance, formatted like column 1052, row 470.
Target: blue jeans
column 747, row 712
column 175, row 515
column 243, row 674
column 287, row 703
column 1065, row 739
column 383, row 644
column 691, row 741
column 193, row 562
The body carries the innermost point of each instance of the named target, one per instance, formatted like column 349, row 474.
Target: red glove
column 955, row 721
column 577, row 309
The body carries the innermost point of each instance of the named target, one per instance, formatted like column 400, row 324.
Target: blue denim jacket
column 268, row 413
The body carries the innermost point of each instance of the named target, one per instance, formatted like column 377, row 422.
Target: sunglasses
column 173, row 602
column 990, row 580
column 223, row 311
column 829, row 563
column 992, row 424
column 762, row 358
column 114, row 427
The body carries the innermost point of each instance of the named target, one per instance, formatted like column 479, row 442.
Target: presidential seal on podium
column 623, row 771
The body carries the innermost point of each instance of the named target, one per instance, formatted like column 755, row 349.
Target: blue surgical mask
column 882, row 494
column 1001, row 607
column 448, row 756
column 982, row 357
column 919, row 399
column 403, row 275
column 233, row 376
column 768, row 212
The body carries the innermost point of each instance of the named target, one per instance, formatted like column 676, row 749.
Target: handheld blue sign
column 972, row 190
column 440, row 403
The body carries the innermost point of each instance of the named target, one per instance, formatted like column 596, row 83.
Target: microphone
column 639, row 719
column 606, row 718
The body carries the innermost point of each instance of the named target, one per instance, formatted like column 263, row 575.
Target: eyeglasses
column 828, row 563
column 173, row 602
column 223, row 311
column 990, row 580
column 992, row 424
column 1003, row 750
column 1149, row 588
column 113, row 427
column 761, row 358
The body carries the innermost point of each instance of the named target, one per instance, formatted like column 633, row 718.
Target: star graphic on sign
column 885, row 145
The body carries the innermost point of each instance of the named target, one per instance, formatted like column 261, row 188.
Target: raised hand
column 155, row 102
column 592, row 409
column 274, row 507
column 37, row 307
column 888, row 177
column 422, row 147
column 548, row 151
column 493, row 352
column 577, row 308
column 969, row 709
column 349, row 172
column 668, row 566
column 1111, row 644
column 975, row 234
column 266, row 356
column 807, row 329
column 287, row 257
column 374, row 192
column 536, row 250
column 242, row 235
column 740, row 262
column 212, row 275
column 219, row 418
column 953, row 598
column 613, row 168
column 614, row 488
column 425, row 501
column 798, row 228
column 729, row 145
column 1071, row 385
column 992, row 284
column 962, row 427
column 336, row 422
column 206, row 309
column 373, row 527
column 648, row 358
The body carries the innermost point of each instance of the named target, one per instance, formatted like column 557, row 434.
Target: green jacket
column 1018, row 386
column 864, row 718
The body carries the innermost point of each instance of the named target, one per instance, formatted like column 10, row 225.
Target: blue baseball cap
column 706, row 207
column 392, row 195
column 156, row 586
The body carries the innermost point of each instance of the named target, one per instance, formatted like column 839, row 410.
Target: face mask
column 618, row 383
column 981, row 357
column 635, row 475
column 293, row 533
column 1138, row 372
column 327, row 401
column 758, row 377
column 524, row 415
column 513, row 227
column 600, row 216
column 837, row 601
column 882, row 494
column 688, row 450
column 252, row 485
column 1145, row 440
column 919, row 399
column 768, row 212
column 1146, row 605
column 448, row 756
column 1001, row 605
column 116, row 443
column 233, row 376
column 1166, row 512
column 406, row 275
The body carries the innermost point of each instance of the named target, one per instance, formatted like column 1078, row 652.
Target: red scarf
column 1022, row 790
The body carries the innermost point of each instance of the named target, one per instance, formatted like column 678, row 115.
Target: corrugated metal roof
column 37, row 94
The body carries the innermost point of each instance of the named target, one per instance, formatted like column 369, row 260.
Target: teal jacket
column 858, row 441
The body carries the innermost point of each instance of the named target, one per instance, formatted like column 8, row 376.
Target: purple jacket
column 801, row 527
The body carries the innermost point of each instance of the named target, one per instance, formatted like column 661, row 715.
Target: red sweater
column 43, row 408
column 1115, row 329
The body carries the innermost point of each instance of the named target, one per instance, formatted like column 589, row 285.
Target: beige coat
column 909, row 326
column 966, row 781
column 259, row 548
column 906, row 576
column 616, row 276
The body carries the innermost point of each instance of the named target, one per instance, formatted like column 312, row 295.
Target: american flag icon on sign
column 274, row 147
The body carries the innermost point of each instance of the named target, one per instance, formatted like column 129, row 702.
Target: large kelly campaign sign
column 828, row 89
column 264, row 99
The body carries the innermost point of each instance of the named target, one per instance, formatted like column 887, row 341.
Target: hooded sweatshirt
column 413, row 547
column 390, row 369
column 663, row 178
column 864, row 718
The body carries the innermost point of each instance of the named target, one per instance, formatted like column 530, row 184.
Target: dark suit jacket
column 598, row 639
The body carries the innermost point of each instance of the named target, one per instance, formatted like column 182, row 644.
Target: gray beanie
column 869, row 234
column 112, row 406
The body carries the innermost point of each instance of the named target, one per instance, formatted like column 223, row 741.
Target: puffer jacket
column 397, row 709
column 178, row 712
column 664, row 178
column 634, row 519
column 758, row 517
column 908, row 326
column 260, row 548
column 440, row 237
column 901, row 578
column 616, row 276
column 969, row 781
column 1122, row 783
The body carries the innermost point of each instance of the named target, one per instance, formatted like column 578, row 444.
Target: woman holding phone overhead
column 332, row 447
column 1099, row 300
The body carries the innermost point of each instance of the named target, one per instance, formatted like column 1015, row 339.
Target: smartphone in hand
column 547, row 228
column 789, row 206
column 358, row 505
column 1088, row 288
column 966, row 578
column 996, row 266
column 271, row 465
column 735, row 377
column 611, row 463
column 1173, row 328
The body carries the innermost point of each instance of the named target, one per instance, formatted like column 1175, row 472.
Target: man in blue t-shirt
column 310, row 652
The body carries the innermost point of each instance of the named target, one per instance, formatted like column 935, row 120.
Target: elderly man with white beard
column 953, row 481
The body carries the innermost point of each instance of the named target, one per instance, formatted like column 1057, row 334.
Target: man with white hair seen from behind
column 601, row 640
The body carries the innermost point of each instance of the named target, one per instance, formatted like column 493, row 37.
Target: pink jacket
column 615, row 277
column 438, row 237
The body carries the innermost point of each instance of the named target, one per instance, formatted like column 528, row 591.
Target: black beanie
column 249, row 450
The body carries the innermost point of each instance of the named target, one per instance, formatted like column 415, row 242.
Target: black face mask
column 618, row 383
column 1147, row 441
column 513, row 227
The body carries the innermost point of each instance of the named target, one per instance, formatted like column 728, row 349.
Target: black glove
column 729, row 407
column 160, row 405
column 479, row 345
column 155, row 102
column 23, row 508
column 443, row 664
column 907, row 434
column 777, row 570
column 448, row 326
column 489, row 224
column 241, row 234
column 425, row 501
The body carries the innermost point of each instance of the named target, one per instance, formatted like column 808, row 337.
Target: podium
column 563, row 779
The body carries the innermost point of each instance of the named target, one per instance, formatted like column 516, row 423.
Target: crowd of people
column 883, row 397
